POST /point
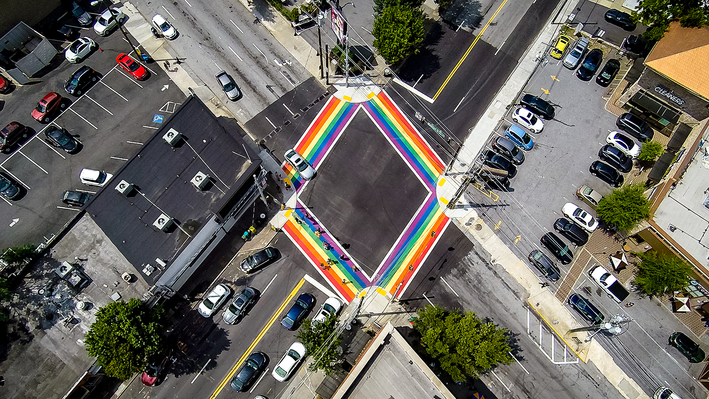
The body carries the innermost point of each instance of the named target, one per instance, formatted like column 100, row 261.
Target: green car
column 689, row 348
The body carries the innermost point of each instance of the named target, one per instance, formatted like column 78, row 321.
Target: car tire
column 93, row 78
column 62, row 105
column 45, row 120
column 78, row 92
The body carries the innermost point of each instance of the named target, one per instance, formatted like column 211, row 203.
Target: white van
column 665, row 393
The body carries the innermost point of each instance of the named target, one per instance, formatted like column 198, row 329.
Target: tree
column 398, row 32
column 380, row 5
column 17, row 255
column 4, row 295
column 443, row 5
column 657, row 15
column 463, row 344
column 624, row 207
column 659, row 273
column 124, row 336
column 650, row 150
column 322, row 344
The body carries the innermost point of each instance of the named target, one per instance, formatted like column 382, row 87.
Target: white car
column 580, row 217
column 624, row 144
column 306, row 171
column 289, row 362
column 108, row 21
column 96, row 178
column 216, row 297
column 79, row 49
column 164, row 27
column 331, row 306
column 527, row 119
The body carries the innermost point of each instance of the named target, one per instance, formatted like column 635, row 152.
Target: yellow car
column 561, row 43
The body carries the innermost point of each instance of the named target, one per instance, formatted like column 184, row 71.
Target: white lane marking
column 134, row 142
column 209, row 360
column 288, row 109
column 520, row 364
column 498, row 378
column 287, row 78
column 68, row 208
column 132, row 79
column 217, row 65
column 15, row 177
column 429, row 301
column 9, row 203
column 119, row 158
column 117, row 93
column 35, row 163
column 236, row 26
column 96, row 102
column 451, row 288
column 52, row 148
column 269, row 284
column 151, row 127
column 259, row 50
column 188, row 3
column 259, row 380
column 322, row 287
column 269, row 121
column 168, row 12
column 237, row 55
column 85, row 120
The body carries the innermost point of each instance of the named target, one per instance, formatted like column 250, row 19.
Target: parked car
column 527, row 119
column 520, row 137
column 608, row 72
column 635, row 126
column 589, row 195
column 214, row 300
column 48, row 107
column 297, row 312
column 608, row 283
column 616, row 158
column 8, row 188
column 571, row 231
column 537, row 105
column 258, row 260
column 562, row 42
column 545, row 265
column 493, row 181
column 96, row 178
column 506, row 147
column 249, row 372
column 665, row 393
column 573, row 58
column 165, row 28
column 586, row 309
column 84, row 18
column 108, row 21
column 240, row 305
column 638, row 45
column 606, row 173
column 5, row 85
column 154, row 370
column 689, row 348
column 331, row 307
column 498, row 161
column 289, row 362
column 590, row 64
column 228, row 85
column 132, row 66
column 76, row 198
column 79, row 49
column 11, row 135
column 580, row 217
column 558, row 247
column 80, row 80
column 305, row 170
column 620, row 18
column 623, row 143
column 60, row 138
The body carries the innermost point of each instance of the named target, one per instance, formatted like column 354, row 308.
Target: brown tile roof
column 682, row 56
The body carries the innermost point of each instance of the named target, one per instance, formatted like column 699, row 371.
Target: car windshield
column 575, row 53
column 60, row 137
column 132, row 66
column 74, row 81
column 301, row 165
column 295, row 355
column 40, row 107
column 208, row 304
column 233, row 309
column 328, row 308
column 229, row 85
column 525, row 138
column 75, row 46
column 251, row 363
column 165, row 26
column 240, row 302
column 4, row 184
column 281, row 373
column 532, row 119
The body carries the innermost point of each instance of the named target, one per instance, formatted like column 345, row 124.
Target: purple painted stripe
column 330, row 135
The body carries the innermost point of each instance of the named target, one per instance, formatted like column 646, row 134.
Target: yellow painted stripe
column 370, row 95
column 347, row 98
column 442, row 182
column 469, row 49
column 315, row 143
column 268, row 325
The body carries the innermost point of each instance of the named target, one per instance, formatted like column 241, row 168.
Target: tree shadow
column 426, row 62
column 464, row 14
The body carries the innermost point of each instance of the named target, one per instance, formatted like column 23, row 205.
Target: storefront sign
column 665, row 92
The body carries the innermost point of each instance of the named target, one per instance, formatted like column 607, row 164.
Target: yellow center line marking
column 469, row 49
column 256, row 341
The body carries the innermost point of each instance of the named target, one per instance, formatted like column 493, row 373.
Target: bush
column 650, row 151
column 659, row 273
column 398, row 32
column 624, row 207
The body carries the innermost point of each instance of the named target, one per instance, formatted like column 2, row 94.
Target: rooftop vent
column 163, row 222
column 64, row 269
column 172, row 137
column 200, row 180
column 124, row 187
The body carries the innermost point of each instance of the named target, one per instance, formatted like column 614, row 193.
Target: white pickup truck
column 609, row 283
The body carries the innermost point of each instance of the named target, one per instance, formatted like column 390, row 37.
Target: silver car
column 306, row 171
column 108, row 21
column 241, row 304
column 228, row 85
column 574, row 57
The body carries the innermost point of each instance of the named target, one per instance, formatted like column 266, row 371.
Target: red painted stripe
column 316, row 127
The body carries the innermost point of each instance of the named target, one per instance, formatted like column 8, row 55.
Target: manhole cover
column 478, row 227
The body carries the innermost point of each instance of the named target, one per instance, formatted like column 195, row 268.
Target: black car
column 297, row 312
column 544, row 265
column 498, row 161
column 507, row 147
column 590, row 64
column 616, row 158
column 608, row 72
column 76, row 198
column 586, row 309
column 249, row 371
column 258, row 260
column 8, row 188
column 637, row 44
column 636, row 126
column 606, row 173
column 538, row 106
column 492, row 181
column 80, row 80
column 620, row 18
column 12, row 134
column 59, row 137
column 558, row 247
column 689, row 348
column 571, row 231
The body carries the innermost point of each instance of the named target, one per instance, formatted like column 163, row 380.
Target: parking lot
column 111, row 120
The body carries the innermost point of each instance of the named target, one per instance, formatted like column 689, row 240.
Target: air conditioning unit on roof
column 124, row 187
column 163, row 222
column 172, row 137
column 200, row 180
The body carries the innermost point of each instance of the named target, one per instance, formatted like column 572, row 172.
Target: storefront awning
column 650, row 104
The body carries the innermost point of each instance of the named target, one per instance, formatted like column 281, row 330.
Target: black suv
column 636, row 126
column 507, row 147
column 80, row 80
column 606, row 173
column 616, row 158
column 538, row 106
column 258, row 260
column 689, row 348
column 11, row 135
column 590, row 64
column 571, row 231
column 498, row 161
column 558, row 247
column 620, row 18
column 586, row 309
column 544, row 265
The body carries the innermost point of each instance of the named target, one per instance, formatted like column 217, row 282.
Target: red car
column 132, row 67
column 48, row 107
column 4, row 85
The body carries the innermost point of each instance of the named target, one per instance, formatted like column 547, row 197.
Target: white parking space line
column 52, row 148
column 217, row 65
column 188, row 3
column 151, row 127
column 97, row 103
column 117, row 93
column 259, row 380
column 68, row 208
column 15, row 177
column 269, row 284
column 449, row 287
column 119, row 158
column 133, row 142
column 168, row 12
column 520, row 364
column 132, row 79
column 259, row 50
column 236, row 26
column 85, row 120
column 35, row 163
column 146, row 67
column 237, row 55
column 498, row 378
column 8, row 202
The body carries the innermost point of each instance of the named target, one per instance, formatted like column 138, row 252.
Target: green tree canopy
column 398, row 32
column 624, row 207
column 124, row 336
column 657, row 15
column 322, row 344
column 16, row 255
column 658, row 273
column 463, row 344
column 650, row 150
column 380, row 5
